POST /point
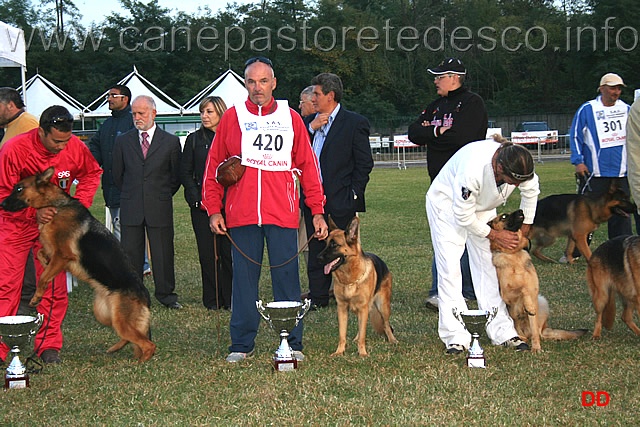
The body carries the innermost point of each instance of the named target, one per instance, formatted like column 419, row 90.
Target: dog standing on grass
column 77, row 242
column 614, row 268
column 519, row 286
column 361, row 283
column 575, row 216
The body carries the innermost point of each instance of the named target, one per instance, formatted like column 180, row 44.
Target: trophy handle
column 303, row 310
column 491, row 314
column 456, row 314
column 261, row 310
column 37, row 324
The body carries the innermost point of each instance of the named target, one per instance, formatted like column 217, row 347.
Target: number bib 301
column 267, row 141
column 611, row 123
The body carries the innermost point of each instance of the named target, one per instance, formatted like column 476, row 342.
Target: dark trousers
column 320, row 283
column 467, row 283
column 161, row 253
column 212, row 269
column 282, row 245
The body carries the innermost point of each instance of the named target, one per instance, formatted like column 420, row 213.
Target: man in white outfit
column 460, row 202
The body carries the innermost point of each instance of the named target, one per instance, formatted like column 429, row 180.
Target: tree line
column 522, row 56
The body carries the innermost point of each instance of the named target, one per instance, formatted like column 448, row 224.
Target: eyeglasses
column 442, row 76
column 258, row 59
column 113, row 95
column 303, row 102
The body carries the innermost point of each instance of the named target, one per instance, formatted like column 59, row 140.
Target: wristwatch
column 196, row 205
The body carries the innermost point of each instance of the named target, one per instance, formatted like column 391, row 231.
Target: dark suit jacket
column 147, row 185
column 345, row 162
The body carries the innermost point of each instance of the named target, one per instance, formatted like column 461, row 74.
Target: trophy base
column 476, row 362
column 284, row 365
column 16, row 381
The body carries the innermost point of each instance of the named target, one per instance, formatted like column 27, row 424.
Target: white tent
column 229, row 86
column 42, row 94
column 138, row 85
column 12, row 49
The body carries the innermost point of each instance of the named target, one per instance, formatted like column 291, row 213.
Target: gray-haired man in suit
column 146, row 165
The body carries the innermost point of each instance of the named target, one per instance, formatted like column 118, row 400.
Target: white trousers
column 449, row 241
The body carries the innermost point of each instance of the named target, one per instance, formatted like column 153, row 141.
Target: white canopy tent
column 42, row 94
column 229, row 86
column 12, row 50
column 138, row 85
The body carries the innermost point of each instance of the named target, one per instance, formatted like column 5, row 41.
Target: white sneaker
column 563, row 260
column 235, row 356
column 432, row 303
column 297, row 354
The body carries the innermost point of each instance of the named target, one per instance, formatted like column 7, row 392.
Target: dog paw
column 337, row 353
column 34, row 302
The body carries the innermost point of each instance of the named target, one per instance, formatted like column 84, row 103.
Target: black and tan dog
column 361, row 283
column 575, row 216
column 519, row 286
column 614, row 268
column 77, row 242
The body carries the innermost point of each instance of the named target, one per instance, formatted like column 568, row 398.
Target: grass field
column 414, row 383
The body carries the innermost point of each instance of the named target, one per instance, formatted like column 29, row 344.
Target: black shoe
column 318, row 306
column 50, row 356
column 455, row 349
column 174, row 305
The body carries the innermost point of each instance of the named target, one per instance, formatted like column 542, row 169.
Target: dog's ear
column 353, row 230
column 45, row 176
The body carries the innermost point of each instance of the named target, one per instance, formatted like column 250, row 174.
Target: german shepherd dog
column 77, row 242
column 519, row 286
column 575, row 216
column 614, row 268
column 361, row 283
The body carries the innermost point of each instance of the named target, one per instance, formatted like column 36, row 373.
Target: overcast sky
column 96, row 11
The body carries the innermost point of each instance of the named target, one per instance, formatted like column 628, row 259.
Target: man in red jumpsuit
column 51, row 144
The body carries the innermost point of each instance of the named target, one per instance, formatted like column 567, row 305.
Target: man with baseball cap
column 598, row 147
column 456, row 118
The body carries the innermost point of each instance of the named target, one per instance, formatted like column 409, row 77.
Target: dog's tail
column 562, row 334
column 377, row 321
column 609, row 313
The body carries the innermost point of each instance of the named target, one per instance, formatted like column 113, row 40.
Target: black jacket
column 194, row 160
column 461, row 109
column 101, row 146
column 345, row 162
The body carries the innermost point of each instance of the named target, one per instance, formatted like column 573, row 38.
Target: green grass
column 414, row 383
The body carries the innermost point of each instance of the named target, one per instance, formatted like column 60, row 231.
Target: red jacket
column 262, row 197
column 24, row 156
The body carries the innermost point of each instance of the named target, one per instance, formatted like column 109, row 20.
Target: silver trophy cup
column 475, row 321
column 16, row 333
column 282, row 317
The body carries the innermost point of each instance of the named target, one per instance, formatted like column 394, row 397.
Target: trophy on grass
column 474, row 322
column 283, row 316
column 16, row 333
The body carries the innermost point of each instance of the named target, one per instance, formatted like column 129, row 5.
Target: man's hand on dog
column 504, row 238
column 320, row 226
column 45, row 215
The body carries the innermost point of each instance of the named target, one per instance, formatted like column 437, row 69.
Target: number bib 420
column 611, row 123
column 267, row 141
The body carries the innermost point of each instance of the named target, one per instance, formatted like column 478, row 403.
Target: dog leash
column 268, row 266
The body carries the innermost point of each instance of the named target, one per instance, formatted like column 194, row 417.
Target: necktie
column 145, row 144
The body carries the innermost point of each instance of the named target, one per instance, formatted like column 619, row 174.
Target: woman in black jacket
column 216, row 275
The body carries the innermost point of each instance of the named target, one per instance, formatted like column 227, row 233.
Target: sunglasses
column 442, row 76
column 113, row 95
column 60, row 120
column 258, row 59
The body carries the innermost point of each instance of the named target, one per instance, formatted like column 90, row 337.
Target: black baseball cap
column 449, row 65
